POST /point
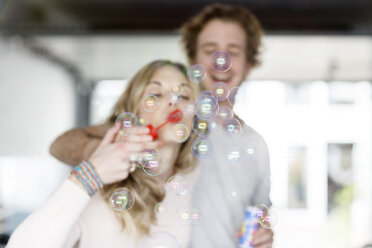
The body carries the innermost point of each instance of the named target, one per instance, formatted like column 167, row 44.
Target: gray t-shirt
column 226, row 187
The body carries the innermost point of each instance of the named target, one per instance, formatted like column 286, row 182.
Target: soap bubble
column 151, row 162
column 121, row 200
column 180, row 133
column 221, row 61
column 160, row 240
column 159, row 208
column 201, row 126
column 183, row 190
column 173, row 183
column 195, row 216
column 269, row 220
column 234, row 155
column 251, row 151
column 201, row 148
column 260, row 210
column 177, row 185
column 213, row 125
column 190, row 216
column 220, row 90
column 225, row 113
column 197, row 73
column 207, row 96
column 150, row 103
column 184, row 215
column 232, row 127
column 235, row 96
column 129, row 123
column 266, row 217
column 176, row 89
column 206, row 108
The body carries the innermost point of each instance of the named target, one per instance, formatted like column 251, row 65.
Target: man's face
column 229, row 37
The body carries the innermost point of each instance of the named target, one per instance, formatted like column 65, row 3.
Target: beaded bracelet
column 88, row 177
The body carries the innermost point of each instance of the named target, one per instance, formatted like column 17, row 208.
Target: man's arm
column 77, row 144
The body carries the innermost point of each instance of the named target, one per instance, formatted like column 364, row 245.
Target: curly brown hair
column 235, row 13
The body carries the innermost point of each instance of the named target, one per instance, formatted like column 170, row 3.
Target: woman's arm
column 51, row 225
column 77, row 144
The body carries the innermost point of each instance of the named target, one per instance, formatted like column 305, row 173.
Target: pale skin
column 230, row 37
column 216, row 35
column 111, row 159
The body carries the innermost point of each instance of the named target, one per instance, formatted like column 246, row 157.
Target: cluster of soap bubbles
column 265, row 216
column 208, row 113
column 207, row 109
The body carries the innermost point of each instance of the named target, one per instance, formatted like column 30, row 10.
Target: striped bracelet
column 88, row 177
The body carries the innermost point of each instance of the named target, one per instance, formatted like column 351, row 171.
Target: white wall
column 36, row 102
column 286, row 58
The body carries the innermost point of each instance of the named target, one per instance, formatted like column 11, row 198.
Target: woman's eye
column 186, row 97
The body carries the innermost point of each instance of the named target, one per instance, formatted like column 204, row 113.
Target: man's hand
column 263, row 238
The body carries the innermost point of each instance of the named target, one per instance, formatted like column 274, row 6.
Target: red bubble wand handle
column 174, row 117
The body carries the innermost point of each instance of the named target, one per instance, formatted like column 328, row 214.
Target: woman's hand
column 112, row 158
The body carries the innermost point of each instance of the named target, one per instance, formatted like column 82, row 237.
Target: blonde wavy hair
column 145, row 189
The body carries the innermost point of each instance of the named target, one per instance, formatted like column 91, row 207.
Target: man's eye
column 186, row 97
column 209, row 52
column 234, row 54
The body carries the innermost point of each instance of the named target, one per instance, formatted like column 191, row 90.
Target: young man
column 235, row 30
column 223, row 191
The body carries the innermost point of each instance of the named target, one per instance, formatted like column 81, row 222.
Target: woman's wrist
column 85, row 175
column 75, row 180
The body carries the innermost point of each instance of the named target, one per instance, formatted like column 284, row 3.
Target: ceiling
column 147, row 16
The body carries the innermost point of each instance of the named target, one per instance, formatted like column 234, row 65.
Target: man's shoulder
column 249, row 133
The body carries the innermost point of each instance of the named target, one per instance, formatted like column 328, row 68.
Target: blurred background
column 64, row 63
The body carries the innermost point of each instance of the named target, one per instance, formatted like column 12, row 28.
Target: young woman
column 79, row 214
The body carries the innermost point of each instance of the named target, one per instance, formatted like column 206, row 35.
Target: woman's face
column 164, row 84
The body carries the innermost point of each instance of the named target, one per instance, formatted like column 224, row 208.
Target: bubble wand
column 173, row 117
